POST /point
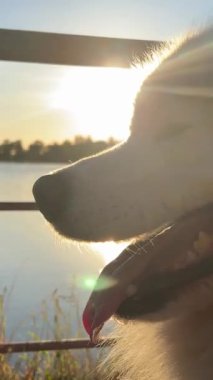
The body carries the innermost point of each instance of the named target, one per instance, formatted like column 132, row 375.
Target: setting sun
column 99, row 101
column 57, row 103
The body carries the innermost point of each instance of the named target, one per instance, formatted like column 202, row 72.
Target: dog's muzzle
column 51, row 197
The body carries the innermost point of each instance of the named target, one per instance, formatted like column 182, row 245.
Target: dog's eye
column 172, row 131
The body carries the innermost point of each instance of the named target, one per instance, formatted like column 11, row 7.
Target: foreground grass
column 47, row 366
column 54, row 365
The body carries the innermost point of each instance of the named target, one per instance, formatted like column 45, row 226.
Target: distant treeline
column 14, row 151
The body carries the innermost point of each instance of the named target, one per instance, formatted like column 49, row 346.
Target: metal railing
column 64, row 49
column 52, row 345
column 18, row 206
column 61, row 49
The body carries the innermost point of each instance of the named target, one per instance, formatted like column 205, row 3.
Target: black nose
column 50, row 195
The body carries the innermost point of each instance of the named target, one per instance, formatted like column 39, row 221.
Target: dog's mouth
column 153, row 272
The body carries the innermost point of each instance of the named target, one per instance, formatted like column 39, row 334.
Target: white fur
column 165, row 167
column 163, row 170
column 178, row 176
column 179, row 347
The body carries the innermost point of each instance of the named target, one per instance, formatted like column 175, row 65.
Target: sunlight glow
column 99, row 101
column 109, row 250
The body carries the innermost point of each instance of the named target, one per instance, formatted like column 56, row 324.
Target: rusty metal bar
column 68, row 344
column 65, row 49
column 18, row 206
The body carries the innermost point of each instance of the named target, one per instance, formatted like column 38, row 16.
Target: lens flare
column 89, row 283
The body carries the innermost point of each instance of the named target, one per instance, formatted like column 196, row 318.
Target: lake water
column 34, row 261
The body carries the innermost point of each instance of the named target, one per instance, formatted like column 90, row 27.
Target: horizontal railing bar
column 68, row 344
column 18, row 206
column 65, row 49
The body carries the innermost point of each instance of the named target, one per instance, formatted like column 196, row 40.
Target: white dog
column 162, row 174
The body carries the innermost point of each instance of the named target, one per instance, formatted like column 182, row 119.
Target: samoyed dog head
column 161, row 172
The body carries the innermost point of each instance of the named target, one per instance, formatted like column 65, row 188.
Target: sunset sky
column 53, row 103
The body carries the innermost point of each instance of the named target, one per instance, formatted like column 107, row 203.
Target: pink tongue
column 102, row 304
column 100, row 307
